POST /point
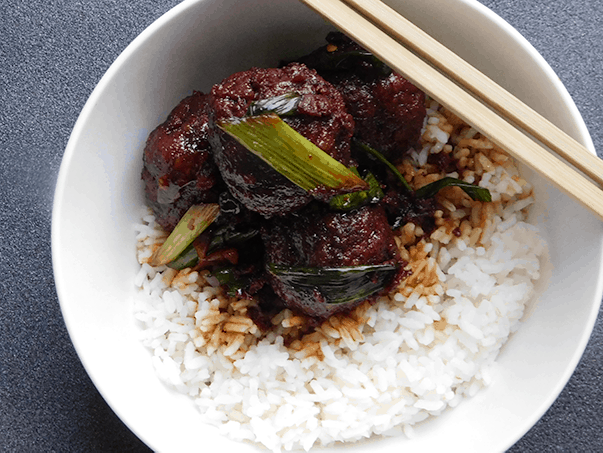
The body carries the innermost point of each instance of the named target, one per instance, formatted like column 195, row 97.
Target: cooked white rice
column 429, row 344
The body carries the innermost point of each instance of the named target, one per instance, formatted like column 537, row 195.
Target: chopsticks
column 470, row 95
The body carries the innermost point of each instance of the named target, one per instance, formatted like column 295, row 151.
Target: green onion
column 338, row 285
column 475, row 192
column 233, row 283
column 354, row 200
column 292, row 155
column 366, row 148
column 188, row 258
column 230, row 236
column 430, row 190
column 192, row 223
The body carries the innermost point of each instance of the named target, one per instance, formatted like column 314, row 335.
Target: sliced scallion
column 188, row 258
column 430, row 190
column 230, row 236
column 192, row 223
column 372, row 151
column 337, row 285
column 354, row 200
column 228, row 278
column 475, row 192
column 292, row 155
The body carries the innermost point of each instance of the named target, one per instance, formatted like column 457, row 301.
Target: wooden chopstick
column 482, row 86
column 467, row 107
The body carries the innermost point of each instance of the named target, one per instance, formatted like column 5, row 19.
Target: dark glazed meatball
column 319, row 238
column 388, row 110
column 178, row 167
column 321, row 118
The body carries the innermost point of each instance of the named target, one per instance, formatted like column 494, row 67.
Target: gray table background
column 52, row 54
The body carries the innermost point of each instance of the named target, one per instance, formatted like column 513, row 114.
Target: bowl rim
column 182, row 8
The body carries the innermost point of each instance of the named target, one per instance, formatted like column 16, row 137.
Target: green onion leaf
column 188, row 258
column 231, row 236
column 283, row 105
column 354, row 200
column 475, row 192
column 228, row 279
column 366, row 148
column 192, row 223
column 338, row 285
column 430, row 190
column 292, row 155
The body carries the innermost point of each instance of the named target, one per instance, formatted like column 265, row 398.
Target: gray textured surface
column 52, row 54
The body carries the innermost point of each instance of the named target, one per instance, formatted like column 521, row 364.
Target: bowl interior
column 99, row 198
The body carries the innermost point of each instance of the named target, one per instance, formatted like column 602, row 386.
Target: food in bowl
column 290, row 368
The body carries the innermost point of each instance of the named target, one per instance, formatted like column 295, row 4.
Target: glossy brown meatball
column 321, row 117
column 178, row 167
column 388, row 110
column 322, row 239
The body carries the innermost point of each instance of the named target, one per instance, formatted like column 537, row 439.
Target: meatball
column 321, row 117
column 321, row 239
column 178, row 166
column 388, row 109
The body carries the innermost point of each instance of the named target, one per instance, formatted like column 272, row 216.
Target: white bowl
column 99, row 195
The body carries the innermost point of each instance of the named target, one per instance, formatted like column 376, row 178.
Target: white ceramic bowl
column 99, row 195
